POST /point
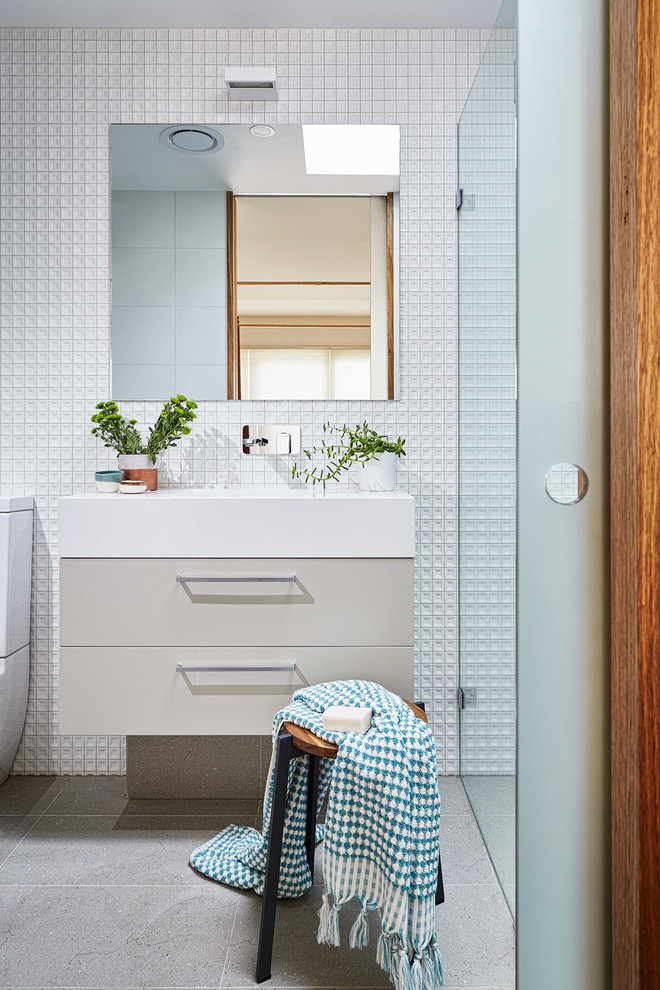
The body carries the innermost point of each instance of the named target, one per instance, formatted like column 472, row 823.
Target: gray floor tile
column 210, row 824
column 499, row 834
column 93, row 850
column 107, row 796
column 452, row 797
column 115, row 936
column 155, row 923
column 510, row 894
column 171, row 807
column 12, row 831
column 475, row 934
column 476, row 937
column 464, row 856
column 102, row 795
column 493, row 800
column 491, row 794
column 28, row 795
column 298, row 960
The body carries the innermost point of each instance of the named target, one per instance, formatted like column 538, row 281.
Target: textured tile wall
column 487, row 413
column 60, row 91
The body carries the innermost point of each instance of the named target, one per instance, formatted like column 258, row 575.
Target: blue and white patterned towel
column 381, row 834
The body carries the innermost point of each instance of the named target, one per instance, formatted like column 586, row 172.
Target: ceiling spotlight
column 192, row 140
column 254, row 83
column 262, row 130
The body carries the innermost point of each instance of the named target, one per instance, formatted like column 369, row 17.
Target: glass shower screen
column 486, row 205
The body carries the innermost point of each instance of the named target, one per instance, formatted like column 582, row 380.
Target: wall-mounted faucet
column 273, row 439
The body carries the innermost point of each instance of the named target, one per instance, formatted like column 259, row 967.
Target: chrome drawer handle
column 181, row 579
column 182, row 669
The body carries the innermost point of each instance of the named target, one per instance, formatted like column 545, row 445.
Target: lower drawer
column 140, row 691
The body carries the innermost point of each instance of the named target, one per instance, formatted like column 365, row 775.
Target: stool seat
column 310, row 743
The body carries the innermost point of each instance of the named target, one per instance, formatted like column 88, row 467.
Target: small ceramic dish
column 107, row 482
column 136, row 487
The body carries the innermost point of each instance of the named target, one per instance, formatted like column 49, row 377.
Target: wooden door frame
column 635, row 501
column 233, row 342
column 390, row 294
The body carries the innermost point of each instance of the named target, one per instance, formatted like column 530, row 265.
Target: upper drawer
column 265, row 602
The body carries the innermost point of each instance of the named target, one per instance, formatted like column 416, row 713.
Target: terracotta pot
column 137, row 467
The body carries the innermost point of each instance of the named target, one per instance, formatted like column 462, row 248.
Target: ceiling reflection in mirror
column 255, row 261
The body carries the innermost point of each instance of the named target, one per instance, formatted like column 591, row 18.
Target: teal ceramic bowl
column 113, row 475
column 107, row 482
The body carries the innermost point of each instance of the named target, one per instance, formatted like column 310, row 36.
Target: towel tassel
column 402, row 975
column 359, row 936
column 328, row 932
column 432, row 965
column 417, row 974
column 384, row 952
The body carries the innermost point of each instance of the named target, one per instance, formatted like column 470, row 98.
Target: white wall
column 169, row 300
column 61, row 89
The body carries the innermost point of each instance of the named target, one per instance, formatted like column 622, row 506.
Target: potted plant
column 137, row 458
column 374, row 455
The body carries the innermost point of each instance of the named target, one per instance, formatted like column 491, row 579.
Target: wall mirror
column 255, row 261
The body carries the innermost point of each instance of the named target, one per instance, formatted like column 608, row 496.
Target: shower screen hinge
column 464, row 201
column 466, row 697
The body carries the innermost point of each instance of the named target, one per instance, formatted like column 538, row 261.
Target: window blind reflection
column 305, row 373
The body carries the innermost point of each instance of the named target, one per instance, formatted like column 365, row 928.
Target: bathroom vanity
column 200, row 612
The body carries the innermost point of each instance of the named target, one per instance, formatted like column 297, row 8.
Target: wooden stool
column 292, row 742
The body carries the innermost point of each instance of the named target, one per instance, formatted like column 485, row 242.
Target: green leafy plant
column 121, row 434
column 115, row 431
column 344, row 447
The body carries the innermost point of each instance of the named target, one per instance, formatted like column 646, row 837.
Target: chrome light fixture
column 192, row 140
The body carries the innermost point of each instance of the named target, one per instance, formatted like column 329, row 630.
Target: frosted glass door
column 563, row 567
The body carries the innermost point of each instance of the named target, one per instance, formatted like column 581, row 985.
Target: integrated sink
column 238, row 522
column 279, row 492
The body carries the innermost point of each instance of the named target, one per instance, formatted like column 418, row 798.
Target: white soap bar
column 343, row 718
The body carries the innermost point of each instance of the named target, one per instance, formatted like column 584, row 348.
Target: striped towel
column 381, row 833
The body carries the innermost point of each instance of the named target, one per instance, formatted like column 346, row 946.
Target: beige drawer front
column 139, row 691
column 270, row 602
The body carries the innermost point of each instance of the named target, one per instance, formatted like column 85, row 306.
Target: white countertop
column 241, row 493
column 237, row 522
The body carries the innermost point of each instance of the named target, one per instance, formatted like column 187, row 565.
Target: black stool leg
column 312, row 800
column 286, row 751
column 440, row 889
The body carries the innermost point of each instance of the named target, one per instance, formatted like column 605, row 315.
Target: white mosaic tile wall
column 487, row 414
column 60, row 90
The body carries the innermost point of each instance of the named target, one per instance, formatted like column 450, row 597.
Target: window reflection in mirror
column 197, row 237
column 314, row 307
